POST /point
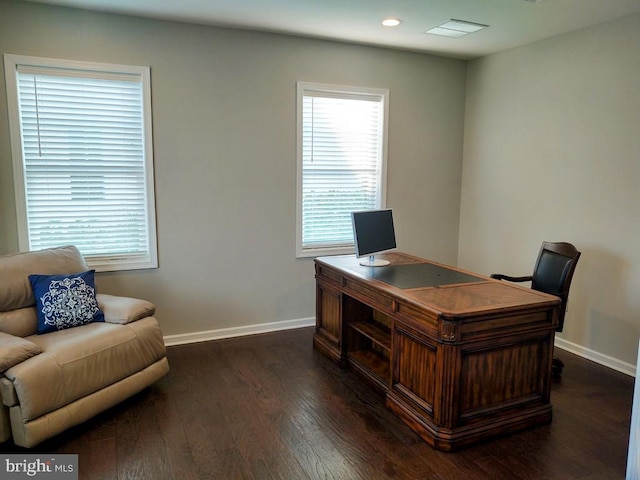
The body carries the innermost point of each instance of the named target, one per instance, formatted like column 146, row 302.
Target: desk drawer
column 328, row 275
column 370, row 296
column 413, row 314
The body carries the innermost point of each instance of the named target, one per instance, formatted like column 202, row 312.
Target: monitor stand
column 371, row 261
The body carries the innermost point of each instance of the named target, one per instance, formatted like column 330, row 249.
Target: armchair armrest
column 14, row 350
column 124, row 310
column 500, row 276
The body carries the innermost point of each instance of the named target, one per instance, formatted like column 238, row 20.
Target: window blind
column 342, row 163
column 84, row 161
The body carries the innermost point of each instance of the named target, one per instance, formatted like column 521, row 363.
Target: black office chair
column 552, row 274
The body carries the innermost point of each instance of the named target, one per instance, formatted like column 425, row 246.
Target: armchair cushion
column 124, row 310
column 15, row 289
column 14, row 350
column 20, row 322
column 65, row 301
column 77, row 362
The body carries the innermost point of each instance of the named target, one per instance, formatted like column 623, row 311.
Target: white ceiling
column 511, row 22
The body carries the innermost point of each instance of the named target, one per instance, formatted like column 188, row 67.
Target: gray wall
column 552, row 152
column 225, row 164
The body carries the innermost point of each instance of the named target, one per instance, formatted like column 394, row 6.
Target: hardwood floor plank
column 100, row 463
column 171, row 430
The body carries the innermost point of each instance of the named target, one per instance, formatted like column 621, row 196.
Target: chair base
column 556, row 367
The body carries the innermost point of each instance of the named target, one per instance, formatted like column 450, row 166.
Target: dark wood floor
column 270, row 407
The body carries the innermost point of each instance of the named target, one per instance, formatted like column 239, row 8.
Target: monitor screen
column 373, row 233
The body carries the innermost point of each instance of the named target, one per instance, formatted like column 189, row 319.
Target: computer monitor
column 373, row 233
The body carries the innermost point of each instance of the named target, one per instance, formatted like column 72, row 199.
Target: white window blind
column 85, row 163
column 340, row 162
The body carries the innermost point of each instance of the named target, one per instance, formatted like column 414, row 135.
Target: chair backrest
column 17, row 303
column 554, row 270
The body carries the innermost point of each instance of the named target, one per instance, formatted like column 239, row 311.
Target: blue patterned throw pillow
column 65, row 301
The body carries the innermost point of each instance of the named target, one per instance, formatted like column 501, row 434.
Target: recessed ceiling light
column 456, row 28
column 391, row 22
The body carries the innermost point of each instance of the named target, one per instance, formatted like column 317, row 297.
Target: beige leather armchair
column 52, row 381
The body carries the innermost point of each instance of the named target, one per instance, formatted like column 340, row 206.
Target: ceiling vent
column 456, row 28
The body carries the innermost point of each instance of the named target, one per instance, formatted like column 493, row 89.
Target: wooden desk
column 461, row 357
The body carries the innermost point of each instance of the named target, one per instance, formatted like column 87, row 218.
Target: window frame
column 342, row 91
column 101, row 263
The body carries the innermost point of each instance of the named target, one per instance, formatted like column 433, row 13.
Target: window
column 341, row 163
column 82, row 158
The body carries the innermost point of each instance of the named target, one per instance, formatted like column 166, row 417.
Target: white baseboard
column 220, row 333
column 597, row 357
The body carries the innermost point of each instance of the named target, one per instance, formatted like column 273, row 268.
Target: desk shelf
column 369, row 347
column 376, row 332
column 373, row 365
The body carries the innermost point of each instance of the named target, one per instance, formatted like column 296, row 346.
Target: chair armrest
column 124, row 310
column 14, row 350
column 500, row 276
